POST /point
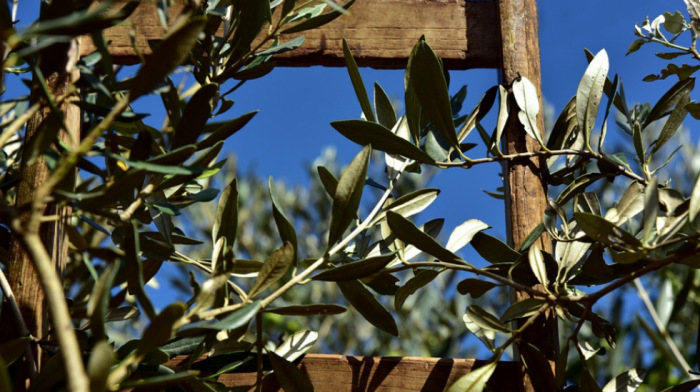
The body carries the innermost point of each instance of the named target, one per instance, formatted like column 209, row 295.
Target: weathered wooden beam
column 22, row 276
column 525, row 187
column 339, row 373
column 380, row 33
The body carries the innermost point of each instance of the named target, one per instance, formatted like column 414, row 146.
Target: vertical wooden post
column 526, row 190
column 55, row 64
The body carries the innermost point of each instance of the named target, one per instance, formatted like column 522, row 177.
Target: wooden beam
column 526, row 189
column 23, row 278
column 339, row 373
column 380, row 33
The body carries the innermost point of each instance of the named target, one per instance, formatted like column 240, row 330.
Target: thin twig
column 547, row 154
column 9, row 297
column 662, row 329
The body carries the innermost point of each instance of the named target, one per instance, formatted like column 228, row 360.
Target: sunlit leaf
column 274, row 268
column 474, row 381
column 590, row 93
column 356, row 270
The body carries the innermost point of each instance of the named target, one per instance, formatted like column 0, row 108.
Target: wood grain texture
column 22, row 276
column 525, row 187
column 380, row 33
column 339, row 373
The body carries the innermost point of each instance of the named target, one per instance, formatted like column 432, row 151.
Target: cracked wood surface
column 380, row 33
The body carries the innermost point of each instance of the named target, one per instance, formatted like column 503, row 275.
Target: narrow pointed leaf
column 357, row 83
column 372, row 310
column 225, row 130
column 670, row 99
column 407, row 232
column 428, row 81
column 356, row 270
column 291, row 379
column 308, row 310
column 385, row 110
column 225, row 226
column 475, row 287
column 195, row 116
column 422, row 278
column 409, row 204
column 365, row 133
column 527, row 98
column 493, row 250
column 628, row 381
column 274, row 268
column 651, row 209
column 590, row 93
column 673, row 123
column 348, row 194
column 173, row 51
column 284, row 225
column 474, row 381
column 602, row 230
column 317, row 21
column 522, row 309
column 486, row 320
column 464, row 233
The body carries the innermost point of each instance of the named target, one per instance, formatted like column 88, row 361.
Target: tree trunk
column 525, row 188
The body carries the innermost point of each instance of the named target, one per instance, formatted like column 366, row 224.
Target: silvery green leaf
column 474, row 381
column 296, row 345
column 395, row 163
column 486, row 320
column 537, row 265
column 588, row 351
column 408, row 205
column 590, row 93
column 526, row 96
column 348, row 194
column 290, row 378
column 631, row 204
column 486, row 336
column 651, row 209
column 307, row 13
column 464, row 233
column 357, row 83
column 570, row 256
column 503, row 113
column 628, row 381
column 274, row 268
column 431, row 228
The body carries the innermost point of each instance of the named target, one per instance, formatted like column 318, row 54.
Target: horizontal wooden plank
column 339, row 373
column 380, row 33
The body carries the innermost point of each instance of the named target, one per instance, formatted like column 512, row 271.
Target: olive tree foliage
column 355, row 248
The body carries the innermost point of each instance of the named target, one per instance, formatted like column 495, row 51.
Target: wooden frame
column 339, row 373
column 465, row 34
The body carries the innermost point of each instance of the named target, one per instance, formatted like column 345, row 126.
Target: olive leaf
column 422, row 278
column 407, row 232
column 274, row 268
column 290, row 378
column 173, row 51
column 590, row 93
column 348, row 194
column 372, row 310
column 357, row 83
column 527, row 98
column 430, row 86
column 356, row 270
column 474, row 381
column 284, row 225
